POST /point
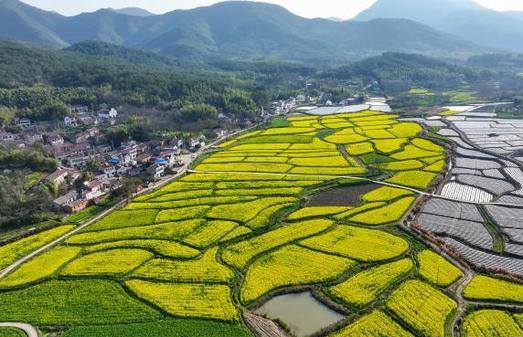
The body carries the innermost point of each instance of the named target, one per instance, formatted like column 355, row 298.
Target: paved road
column 29, row 330
column 187, row 161
column 377, row 182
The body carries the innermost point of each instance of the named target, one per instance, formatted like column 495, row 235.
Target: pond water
column 302, row 313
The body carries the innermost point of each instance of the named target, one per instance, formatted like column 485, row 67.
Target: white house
column 108, row 113
column 70, row 121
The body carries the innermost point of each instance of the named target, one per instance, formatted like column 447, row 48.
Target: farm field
column 250, row 222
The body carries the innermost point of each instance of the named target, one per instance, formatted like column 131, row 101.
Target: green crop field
column 252, row 222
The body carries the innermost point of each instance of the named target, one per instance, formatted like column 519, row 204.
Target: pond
column 302, row 313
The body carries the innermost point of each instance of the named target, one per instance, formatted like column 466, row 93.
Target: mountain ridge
column 231, row 30
column 464, row 18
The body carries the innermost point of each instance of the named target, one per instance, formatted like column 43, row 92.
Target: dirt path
column 28, row 329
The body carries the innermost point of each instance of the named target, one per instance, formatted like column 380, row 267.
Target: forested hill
column 232, row 29
column 98, row 48
column 40, row 83
column 398, row 72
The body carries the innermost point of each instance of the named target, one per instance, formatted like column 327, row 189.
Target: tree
column 198, row 111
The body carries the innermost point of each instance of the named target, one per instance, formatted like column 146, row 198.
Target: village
column 90, row 168
column 84, row 151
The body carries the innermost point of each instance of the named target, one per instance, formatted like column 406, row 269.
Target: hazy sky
column 308, row 8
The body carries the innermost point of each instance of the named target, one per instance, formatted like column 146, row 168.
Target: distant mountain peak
column 133, row 11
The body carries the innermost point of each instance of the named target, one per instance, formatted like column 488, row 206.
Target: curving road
column 28, row 329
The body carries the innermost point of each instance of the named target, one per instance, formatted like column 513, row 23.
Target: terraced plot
column 376, row 324
column 291, row 266
column 242, row 228
column 364, row 287
column 422, row 307
column 487, row 323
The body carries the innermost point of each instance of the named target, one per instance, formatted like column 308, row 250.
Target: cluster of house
column 78, row 199
column 150, row 160
column 80, row 118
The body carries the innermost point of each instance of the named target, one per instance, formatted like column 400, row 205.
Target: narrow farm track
column 377, row 182
column 182, row 171
column 28, row 329
column 468, row 275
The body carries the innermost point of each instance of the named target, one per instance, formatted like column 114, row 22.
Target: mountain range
column 464, row 18
column 258, row 31
column 232, row 29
